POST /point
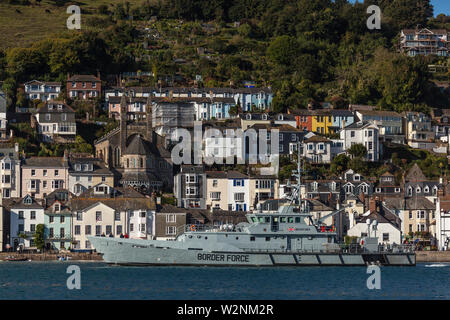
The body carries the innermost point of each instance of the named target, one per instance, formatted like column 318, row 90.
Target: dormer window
column 59, row 106
column 264, row 116
column 50, row 107
column 27, row 200
column 426, row 189
column 357, row 177
column 410, row 191
column 57, row 207
column 435, row 190
column 249, row 117
column 280, row 117
column 78, row 167
column 418, row 189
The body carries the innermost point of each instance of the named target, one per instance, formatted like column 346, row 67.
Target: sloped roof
column 138, row 146
column 415, row 174
column 83, row 77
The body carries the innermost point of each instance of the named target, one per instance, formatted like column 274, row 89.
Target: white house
column 388, row 228
column 443, row 222
column 364, row 133
column 317, row 149
column 10, row 172
column 42, row 90
column 238, row 191
column 25, row 216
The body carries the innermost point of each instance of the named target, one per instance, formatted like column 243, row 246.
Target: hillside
column 308, row 51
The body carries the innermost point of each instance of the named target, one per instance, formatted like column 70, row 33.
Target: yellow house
column 321, row 122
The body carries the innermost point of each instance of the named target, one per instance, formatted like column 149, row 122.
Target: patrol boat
column 288, row 237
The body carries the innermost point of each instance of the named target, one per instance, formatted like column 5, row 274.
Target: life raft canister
column 362, row 242
column 192, row 228
column 322, row 229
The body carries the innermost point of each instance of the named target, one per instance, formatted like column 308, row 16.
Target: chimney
column 372, row 204
column 68, row 76
column 170, row 94
column 98, row 74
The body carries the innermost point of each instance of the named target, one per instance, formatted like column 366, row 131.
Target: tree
column 39, row 240
column 339, row 164
column 357, row 151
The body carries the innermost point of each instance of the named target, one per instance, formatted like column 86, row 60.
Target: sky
column 439, row 6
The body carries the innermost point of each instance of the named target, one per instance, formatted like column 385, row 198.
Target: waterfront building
column 228, row 190
column 112, row 212
column 58, row 220
column 25, row 215
column 443, row 222
column 388, row 229
column 43, row 175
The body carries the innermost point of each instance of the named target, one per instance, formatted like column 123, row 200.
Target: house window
column 108, row 229
column 239, row 196
column 117, row 215
column 171, row 230
column 142, row 227
column 170, row 218
column 51, row 219
column 87, row 230
column 131, row 227
column 98, row 230
column 385, row 236
column 118, row 229
column 56, row 173
column 32, row 227
column 98, row 216
column 62, row 219
column 79, row 216
column 33, row 172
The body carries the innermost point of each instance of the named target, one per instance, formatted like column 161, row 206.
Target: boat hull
column 128, row 253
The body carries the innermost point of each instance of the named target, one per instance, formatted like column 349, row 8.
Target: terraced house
column 58, row 220
column 112, row 212
column 43, row 175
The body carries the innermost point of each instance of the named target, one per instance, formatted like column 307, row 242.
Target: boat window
column 283, row 220
column 253, row 219
column 261, row 219
column 267, row 219
column 252, row 238
column 275, row 219
column 297, row 219
column 237, row 238
column 199, row 237
column 206, row 238
column 290, row 220
column 267, row 238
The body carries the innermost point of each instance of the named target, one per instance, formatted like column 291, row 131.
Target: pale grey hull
column 127, row 253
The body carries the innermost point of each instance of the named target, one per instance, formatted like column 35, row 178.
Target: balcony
column 58, row 237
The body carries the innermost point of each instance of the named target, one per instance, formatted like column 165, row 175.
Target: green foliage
column 357, row 151
column 39, row 240
column 339, row 164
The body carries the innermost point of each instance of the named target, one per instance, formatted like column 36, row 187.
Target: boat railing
column 350, row 249
column 208, row 228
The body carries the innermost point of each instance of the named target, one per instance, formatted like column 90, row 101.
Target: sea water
column 48, row 280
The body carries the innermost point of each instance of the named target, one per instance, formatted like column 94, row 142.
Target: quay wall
column 432, row 256
column 74, row 256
